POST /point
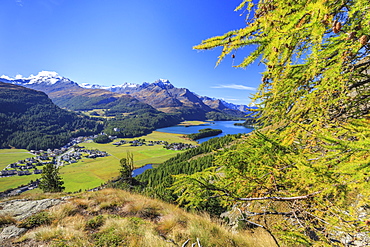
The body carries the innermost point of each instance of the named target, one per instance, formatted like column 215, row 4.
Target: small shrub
column 42, row 218
column 108, row 239
column 95, row 222
column 60, row 243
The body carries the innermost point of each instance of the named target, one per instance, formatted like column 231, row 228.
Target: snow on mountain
column 5, row 77
column 43, row 77
column 230, row 105
column 92, row 86
column 162, row 83
column 242, row 108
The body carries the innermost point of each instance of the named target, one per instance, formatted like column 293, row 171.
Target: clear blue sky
column 109, row 42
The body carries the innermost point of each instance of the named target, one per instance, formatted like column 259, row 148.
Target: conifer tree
column 127, row 167
column 303, row 176
column 50, row 180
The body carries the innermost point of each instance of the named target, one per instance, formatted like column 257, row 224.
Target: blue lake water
column 227, row 127
column 140, row 170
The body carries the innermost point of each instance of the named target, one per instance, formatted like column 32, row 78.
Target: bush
column 108, row 238
column 35, row 220
column 95, row 222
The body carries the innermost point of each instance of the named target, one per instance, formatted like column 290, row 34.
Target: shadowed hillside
column 29, row 119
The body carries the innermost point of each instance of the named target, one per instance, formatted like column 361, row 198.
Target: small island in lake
column 204, row 133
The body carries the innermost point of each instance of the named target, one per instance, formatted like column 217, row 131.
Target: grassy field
column 191, row 123
column 90, row 173
column 8, row 156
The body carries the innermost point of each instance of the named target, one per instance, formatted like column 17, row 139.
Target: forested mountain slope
column 29, row 119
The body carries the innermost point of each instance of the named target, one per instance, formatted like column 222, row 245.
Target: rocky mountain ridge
column 161, row 95
column 139, row 90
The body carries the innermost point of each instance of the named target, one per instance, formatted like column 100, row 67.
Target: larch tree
column 304, row 175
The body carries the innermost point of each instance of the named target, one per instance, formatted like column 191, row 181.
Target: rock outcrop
column 21, row 209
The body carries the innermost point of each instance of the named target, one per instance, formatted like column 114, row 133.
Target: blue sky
column 109, row 42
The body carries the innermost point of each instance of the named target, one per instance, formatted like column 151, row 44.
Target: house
column 22, row 189
column 21, row 173
column 36, row 171
column 14, row 165
column 8, row 172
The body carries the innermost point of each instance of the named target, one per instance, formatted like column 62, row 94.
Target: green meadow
column 8, row 156
column 90, row 173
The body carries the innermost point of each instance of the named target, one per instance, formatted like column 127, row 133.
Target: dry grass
column 6, row 220
column 117, row 218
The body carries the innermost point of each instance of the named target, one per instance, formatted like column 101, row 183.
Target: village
column 72, row 153
column 68, row 154
column 58, row 157
column 176, row 146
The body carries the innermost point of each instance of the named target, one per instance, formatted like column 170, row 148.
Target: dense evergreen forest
column 158, row 181
column 249, row 122
column 225, row 115
column 140, row 122
column 207, row 132
column 30, row 120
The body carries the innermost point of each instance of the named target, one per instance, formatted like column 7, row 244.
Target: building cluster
column 141, row 142
column 20, row 189
column 177, row 146
column 66, row 155
column 27, row 166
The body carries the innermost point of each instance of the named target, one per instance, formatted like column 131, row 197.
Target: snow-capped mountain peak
column 48, row 77
column 91, row 86
column 163, row 83
column 43, row 77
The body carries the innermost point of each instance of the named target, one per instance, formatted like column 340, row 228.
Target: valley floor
column 89, row 173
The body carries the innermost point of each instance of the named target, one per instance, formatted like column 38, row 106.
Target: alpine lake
column 227, row 127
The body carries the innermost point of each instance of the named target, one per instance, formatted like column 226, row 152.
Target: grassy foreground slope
column 118, row 218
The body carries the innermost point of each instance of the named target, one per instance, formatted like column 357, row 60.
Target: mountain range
column 175, row 97
column 161, row 95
